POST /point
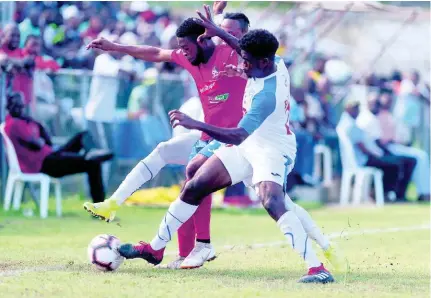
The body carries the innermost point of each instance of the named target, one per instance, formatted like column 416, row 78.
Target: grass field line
column 17, row 272
column 335, row 235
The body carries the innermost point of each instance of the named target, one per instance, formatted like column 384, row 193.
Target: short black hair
column 259, row 43
column 244, row 22
column 190, row 28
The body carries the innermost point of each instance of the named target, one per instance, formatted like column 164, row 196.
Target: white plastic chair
column 16, row 179
column 323, row 151
column 362, row 176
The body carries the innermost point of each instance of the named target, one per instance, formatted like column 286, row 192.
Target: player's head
column 258, row 49
column 33, row 45
column 11, row 37
column 15, row 104
column 235, row 23
column 187, row 35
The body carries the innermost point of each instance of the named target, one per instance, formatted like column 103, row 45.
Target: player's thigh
column 202, row 156
column 271, row 195
column 177, row 150
column 270, row 168
column 234, row 162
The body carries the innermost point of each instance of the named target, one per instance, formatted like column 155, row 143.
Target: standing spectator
column 35, row 153
column 407, row 108
column 30, row 25
column 23, row 78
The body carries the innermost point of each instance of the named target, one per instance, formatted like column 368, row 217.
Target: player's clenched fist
column 101, row 44
column 178, row 118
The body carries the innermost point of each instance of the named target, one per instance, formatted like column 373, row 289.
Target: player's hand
column 178, row 118
column 211, row 29
column 231, row 70
column 101, row 44
column 219, row 6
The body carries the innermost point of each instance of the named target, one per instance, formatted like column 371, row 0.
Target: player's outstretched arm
column 211, row 30
column 147, row 53
column 233, row 136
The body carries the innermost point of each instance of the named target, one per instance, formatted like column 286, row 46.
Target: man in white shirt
column 369, row 123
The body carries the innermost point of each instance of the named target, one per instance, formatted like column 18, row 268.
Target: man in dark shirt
column 36, row 154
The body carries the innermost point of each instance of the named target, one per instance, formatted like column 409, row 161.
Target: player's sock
column 186, row 238
column 292, row 228
column 202, row 219
column 178, row 213
column 310, row 227
column 144, row 171
column 204, row 240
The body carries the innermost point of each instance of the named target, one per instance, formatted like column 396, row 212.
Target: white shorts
column 253, row 168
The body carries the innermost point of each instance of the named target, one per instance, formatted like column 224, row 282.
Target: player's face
column 12, row 38
column 192, row 50
column 253, row 67
column 17, row 106
column 232, row 27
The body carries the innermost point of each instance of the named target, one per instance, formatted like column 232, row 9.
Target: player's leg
column 203, row 251
column 269, row 175
column 173, row 151
column 212, row 176
column 330, row 250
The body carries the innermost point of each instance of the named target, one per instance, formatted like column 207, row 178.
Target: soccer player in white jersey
column 262, row 149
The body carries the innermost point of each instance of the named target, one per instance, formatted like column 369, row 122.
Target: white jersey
column 267, row 106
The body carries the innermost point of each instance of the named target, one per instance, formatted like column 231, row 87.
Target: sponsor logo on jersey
column 219, row 98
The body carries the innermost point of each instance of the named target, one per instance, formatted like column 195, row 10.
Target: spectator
column 407, row 108
column 24, row 65
column 142, row 96
column 33, row 48
column 369, row 122
column 421, row 172
column 30, row 25
column 93, row 30
column 368, row 153
column 36, row 154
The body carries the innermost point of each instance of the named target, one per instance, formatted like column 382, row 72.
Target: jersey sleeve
column 262, row 106
column 178, row 57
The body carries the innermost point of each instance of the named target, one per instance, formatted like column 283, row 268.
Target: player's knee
column 162, row 150
column 194, row 191
column 193, row 166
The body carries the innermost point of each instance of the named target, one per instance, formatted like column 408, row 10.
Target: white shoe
column 175, row 264
column 203, row 252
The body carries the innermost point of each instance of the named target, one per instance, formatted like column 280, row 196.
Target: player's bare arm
column 147, row 53
column 233, row 136
column 211, row 30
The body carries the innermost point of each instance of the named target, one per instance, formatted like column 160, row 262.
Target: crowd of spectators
column 52, row 35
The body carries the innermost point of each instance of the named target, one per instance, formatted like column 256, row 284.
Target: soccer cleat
column 141, row 250
column 203, row 252
column 317, row 275
column 175, row 264
column 105, row 210
column 334, row 257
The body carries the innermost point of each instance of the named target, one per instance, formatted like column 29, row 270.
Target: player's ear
column 264, row 63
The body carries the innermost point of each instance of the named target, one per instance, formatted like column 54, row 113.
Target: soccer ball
column 102, row 252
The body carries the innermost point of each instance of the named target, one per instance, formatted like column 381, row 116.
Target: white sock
column 144, row 171
column 310, row 227
column 291, row 227
column 178, row 213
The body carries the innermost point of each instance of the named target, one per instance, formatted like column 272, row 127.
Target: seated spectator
column 421, row 172
column 23, row 65
column 36, row 154
column 368, row 153
column 369, row 122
